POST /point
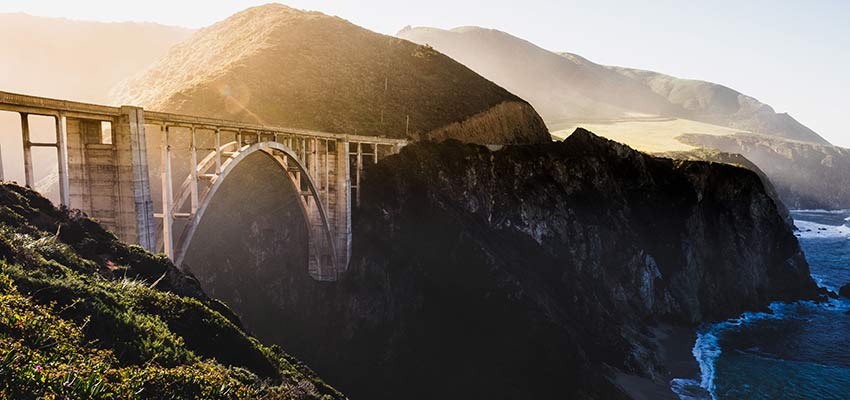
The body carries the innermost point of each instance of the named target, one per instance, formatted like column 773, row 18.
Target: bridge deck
column 52, row 107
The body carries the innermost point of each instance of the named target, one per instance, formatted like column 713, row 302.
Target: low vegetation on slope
column 277, row 65
column 83, row 315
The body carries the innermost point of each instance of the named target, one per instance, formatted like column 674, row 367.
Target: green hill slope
column 276, row 65
column 83, row 315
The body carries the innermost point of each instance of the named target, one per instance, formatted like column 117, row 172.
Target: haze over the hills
column 568, row 86
column 77, row 60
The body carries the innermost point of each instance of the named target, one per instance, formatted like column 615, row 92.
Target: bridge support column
column 145, row 224
column 109, row 181
column 342, row 206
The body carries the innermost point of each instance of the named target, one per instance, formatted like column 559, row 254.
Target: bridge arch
column 323, row 257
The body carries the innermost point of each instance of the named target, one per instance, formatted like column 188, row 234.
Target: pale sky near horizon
column 793, row 55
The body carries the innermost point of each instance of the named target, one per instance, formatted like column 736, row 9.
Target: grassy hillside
column 83, row 315
column 649, row 134
column 277, row 65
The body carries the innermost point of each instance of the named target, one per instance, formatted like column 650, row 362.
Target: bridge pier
column 107, row 174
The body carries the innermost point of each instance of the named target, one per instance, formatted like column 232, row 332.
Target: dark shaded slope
column 534, row 272
column 277, row 65
column 529, row 272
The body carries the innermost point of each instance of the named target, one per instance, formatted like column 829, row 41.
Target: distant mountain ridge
column 277, row 65
column 568, row 86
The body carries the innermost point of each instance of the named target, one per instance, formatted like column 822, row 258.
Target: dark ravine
column 534, row 272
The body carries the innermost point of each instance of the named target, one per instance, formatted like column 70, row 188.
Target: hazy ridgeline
column 652, row 111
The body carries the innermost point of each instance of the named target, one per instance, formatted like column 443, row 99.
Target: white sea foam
column 707, row 347
column 688, row 389
column 808, row 229
column 819, row 211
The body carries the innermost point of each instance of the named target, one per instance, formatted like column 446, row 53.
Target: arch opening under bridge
column 324, row 263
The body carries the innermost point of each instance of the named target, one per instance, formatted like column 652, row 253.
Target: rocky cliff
column 533, row 272
column 716, row 156
column 277, row 65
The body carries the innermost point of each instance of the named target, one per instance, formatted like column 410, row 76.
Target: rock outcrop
column 710, row 155
column 276, row 65
column 844, row 291
column 806, row 175
column 533, row 272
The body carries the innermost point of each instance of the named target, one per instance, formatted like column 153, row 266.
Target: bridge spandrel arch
column 325, row 261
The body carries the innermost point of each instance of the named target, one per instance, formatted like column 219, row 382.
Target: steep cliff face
column 806, row 175
column 532, row 272
column 277, row 65
column 710, row 155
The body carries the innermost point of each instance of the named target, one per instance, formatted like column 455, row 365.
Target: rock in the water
column 844, row 291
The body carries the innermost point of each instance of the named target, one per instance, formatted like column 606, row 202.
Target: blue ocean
column 801, row 350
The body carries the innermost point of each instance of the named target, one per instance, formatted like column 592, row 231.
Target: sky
column 791, row 54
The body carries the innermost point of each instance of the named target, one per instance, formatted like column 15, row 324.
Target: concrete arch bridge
column 150, row 176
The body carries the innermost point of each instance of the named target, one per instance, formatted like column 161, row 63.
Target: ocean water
column 799, row 351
